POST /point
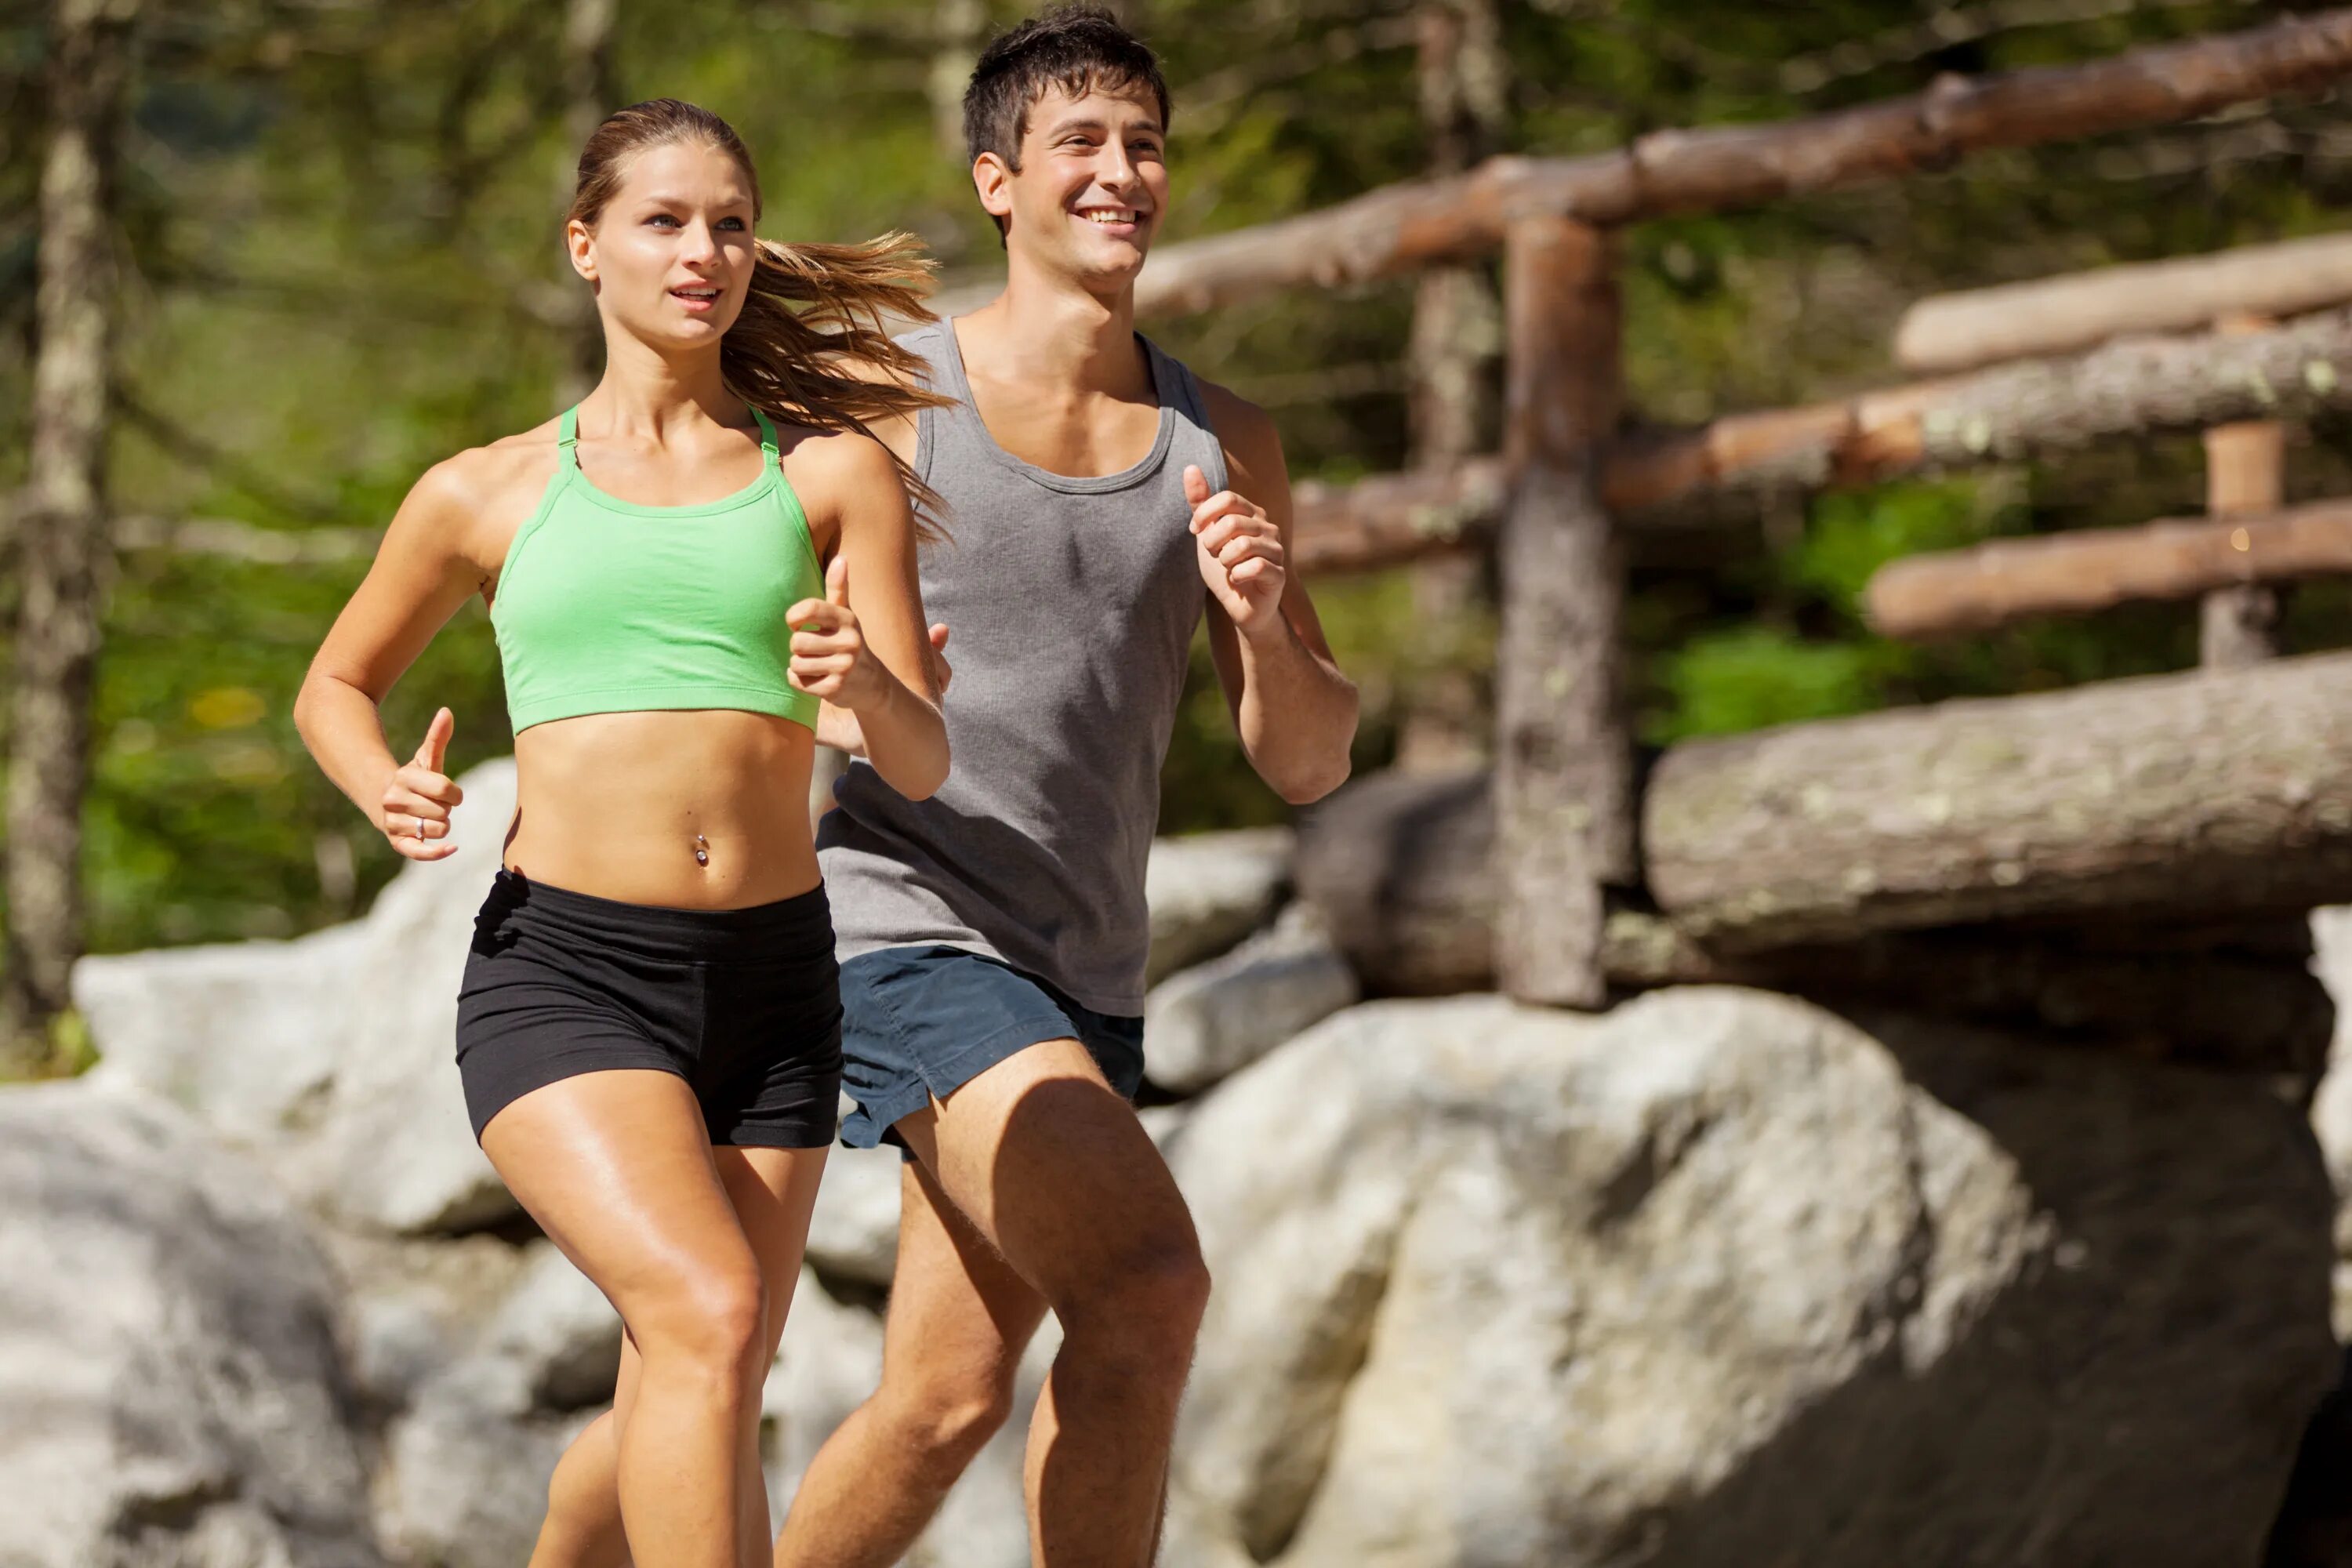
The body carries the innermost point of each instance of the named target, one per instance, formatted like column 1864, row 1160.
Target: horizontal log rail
column 1976, row 326
column 1405, row 226
column 2003, row 581
column 2023, row 409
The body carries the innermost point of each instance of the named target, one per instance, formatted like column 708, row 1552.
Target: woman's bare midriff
column 699, row 810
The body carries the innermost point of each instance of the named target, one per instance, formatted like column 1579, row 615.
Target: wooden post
column 1564, row 774
column 2244, row 472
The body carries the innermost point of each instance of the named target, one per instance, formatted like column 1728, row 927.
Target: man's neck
column 1048, row 331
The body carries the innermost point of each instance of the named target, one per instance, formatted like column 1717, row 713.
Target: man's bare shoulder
column 1252, row 443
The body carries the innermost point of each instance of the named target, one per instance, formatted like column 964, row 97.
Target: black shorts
column 744, row 1004
column 924, row 1021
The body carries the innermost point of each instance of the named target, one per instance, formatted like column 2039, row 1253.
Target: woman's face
column 671, row 254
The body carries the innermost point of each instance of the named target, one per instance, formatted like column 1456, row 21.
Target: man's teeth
column 1116, row 215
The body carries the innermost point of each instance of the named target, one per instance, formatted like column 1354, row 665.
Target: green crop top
column 604, row 606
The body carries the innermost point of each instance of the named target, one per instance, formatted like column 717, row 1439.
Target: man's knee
column 1150, row 1298
column 946, row 1415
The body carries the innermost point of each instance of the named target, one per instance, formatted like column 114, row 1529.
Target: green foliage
column 342, row 221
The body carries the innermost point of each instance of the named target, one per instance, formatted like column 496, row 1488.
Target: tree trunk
column 1564, row 784
column 1403, row 869
column 1449, row 717
column 959, row 28
column 2211, row 794
column 1403, row 227
column 62, row 528
column 2004, row 581
column 1948, row 332
column 591, row 91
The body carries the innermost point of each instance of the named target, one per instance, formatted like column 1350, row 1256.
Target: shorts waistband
column 784, row 929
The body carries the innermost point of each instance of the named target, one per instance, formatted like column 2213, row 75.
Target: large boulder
column 1722, row 1277
column 171, row 1391
column 1208, row 890
column 332, row 1056
column 1211, row 1020
column 2331, row 1106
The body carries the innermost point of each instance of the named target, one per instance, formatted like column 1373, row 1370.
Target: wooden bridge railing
column 1556, row 500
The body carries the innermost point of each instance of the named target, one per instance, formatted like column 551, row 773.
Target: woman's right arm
column 423, row 573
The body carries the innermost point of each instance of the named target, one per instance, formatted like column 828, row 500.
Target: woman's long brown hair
column 816, row 314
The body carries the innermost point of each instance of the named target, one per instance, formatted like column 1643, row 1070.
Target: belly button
column 701, row 850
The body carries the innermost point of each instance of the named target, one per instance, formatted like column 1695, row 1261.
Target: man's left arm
column 1296, row 712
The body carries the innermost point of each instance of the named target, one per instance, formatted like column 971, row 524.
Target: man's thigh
column 958, row 1311
column 1051, row 1166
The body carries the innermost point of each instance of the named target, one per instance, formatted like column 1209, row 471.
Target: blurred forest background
column 341, row 262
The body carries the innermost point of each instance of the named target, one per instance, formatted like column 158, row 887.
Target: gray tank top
column 1071, row 604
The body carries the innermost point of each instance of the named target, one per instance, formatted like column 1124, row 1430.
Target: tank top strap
column 771, row 450
column 567, row 437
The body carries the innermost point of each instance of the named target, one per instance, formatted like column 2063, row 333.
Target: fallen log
column 2215, row 794
column 2004, row 581
column 1402, row 870
column 1400, row 227
column 1961, row 331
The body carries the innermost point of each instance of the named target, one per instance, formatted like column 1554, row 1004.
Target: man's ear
column 994, row 181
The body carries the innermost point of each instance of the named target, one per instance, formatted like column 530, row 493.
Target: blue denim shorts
column 919, row 1022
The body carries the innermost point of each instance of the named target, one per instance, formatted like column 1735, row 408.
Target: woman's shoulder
column 485, row 477
column 834, row 459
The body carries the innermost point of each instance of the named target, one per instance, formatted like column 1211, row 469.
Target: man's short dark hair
column 1075, row 47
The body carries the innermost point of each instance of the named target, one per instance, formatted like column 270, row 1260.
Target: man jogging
column 993, row 937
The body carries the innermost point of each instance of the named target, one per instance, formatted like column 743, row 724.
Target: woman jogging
column 649, row 1025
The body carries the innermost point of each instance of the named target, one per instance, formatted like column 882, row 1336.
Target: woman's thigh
column 617, row 1167
column 773, row 1192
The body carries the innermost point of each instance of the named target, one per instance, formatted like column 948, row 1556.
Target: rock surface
column 1213, row 1020
column 2331, row 1107
column 171, row 1394
column 1721, row 1273
column 331, row 1056
column 1208, row 890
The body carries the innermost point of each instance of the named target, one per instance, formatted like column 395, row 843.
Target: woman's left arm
column 862, row 647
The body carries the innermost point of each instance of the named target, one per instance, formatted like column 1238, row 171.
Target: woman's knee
column 716, row 1320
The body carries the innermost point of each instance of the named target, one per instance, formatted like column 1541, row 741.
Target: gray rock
column 2331, row 1107
column 464, row 1483
column 853, row 1234
column 557, row 1334
column 1208, row 890
column 1720, row 1277
column 171, row 1394
column 329, row 1056
column 830, row 1359
column 1203, row 1024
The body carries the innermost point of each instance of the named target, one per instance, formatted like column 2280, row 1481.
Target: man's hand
column 1241, row 555
column 837, row 727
